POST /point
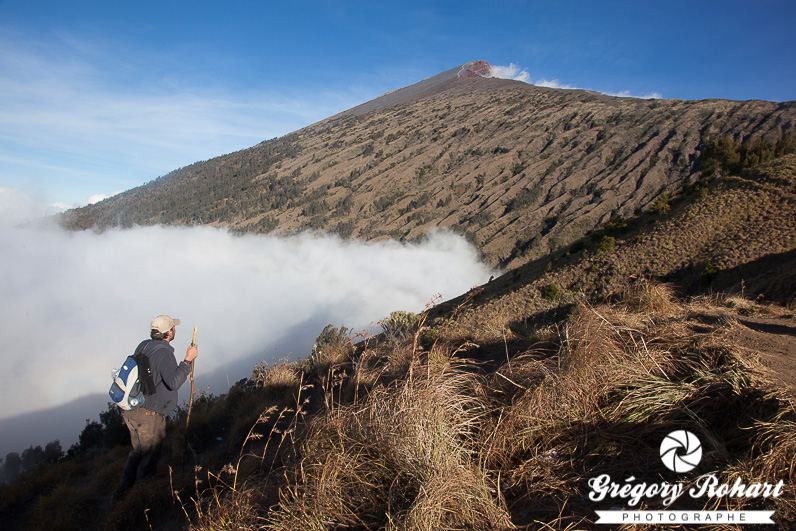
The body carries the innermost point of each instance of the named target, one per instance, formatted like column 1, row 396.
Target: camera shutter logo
column 681, row 451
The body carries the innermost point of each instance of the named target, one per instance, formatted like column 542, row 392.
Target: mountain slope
column 734, row 234
column 521, row 170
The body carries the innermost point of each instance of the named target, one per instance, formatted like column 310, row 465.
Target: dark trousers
column 147, row 432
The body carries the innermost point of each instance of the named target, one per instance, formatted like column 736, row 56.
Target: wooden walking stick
column 190, row 403
column 190, row 400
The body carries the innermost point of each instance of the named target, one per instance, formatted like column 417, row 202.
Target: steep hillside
column 521, row 170
column 733, row 234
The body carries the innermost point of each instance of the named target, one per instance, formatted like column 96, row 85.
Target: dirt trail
column 771, row 335
column 774, row 338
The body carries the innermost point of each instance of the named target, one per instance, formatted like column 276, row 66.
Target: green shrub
column 332, row 346
column 525, row 198
column 606, row 244
column 422, row 172
column 399, row 325
column 731, row 156
column 708, row 274
column 721, row 154
column 661, row 205
column 577, row 247
column 518, row 168
column 551, row 292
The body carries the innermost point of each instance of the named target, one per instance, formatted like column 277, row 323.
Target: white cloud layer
column 75, row 304
column 96, row 198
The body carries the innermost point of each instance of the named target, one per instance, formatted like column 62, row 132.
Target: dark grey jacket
column 167, row 373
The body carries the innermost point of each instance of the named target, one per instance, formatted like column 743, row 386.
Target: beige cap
column 163, row 323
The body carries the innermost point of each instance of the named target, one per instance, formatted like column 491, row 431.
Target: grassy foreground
column 413, row 434
column 422, row 428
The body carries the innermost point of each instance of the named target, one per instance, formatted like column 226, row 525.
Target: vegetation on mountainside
column 733, row 233
column 493, row 410
column 496, row 161
column 731, row 157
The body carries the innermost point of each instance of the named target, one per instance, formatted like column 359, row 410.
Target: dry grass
column 282, row 377
column 475, row 435
column 622, row 379
column 448, row 446
column 218, row 505
column 651, row 299
column 404, row 458
column 368, row 370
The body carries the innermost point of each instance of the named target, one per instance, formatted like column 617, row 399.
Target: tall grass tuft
column 405, row 458
column 278, row 378
column 651, row 299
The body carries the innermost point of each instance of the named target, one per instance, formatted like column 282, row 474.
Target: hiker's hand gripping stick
column 193, row 350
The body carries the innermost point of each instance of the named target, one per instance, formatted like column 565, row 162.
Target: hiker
column 147, row 424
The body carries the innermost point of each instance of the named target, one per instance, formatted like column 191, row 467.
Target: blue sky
column 99, row 97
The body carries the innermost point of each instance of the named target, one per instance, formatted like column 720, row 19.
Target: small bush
column 525, row 198
column 577, row 247
column 606, row 244
column 551, row 292
column 708, row 274
column 332, row 346
column 661, row 205
column 64, row 507
column 399, row 325
column 518, row 168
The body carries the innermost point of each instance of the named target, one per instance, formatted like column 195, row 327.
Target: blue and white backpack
column 132, row 383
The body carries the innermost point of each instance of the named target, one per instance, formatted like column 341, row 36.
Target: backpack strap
column 144, row 371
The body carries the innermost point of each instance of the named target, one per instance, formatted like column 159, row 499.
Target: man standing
column 147, row 424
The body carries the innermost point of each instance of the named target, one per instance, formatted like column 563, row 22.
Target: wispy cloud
column 517, row 73
column 628, row 94
column 66, row 109
column 511, row 71
column 552, row 84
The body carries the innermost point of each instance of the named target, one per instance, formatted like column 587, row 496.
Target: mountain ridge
column 520, row 170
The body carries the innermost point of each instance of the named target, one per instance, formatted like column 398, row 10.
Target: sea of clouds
column 75, row 304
